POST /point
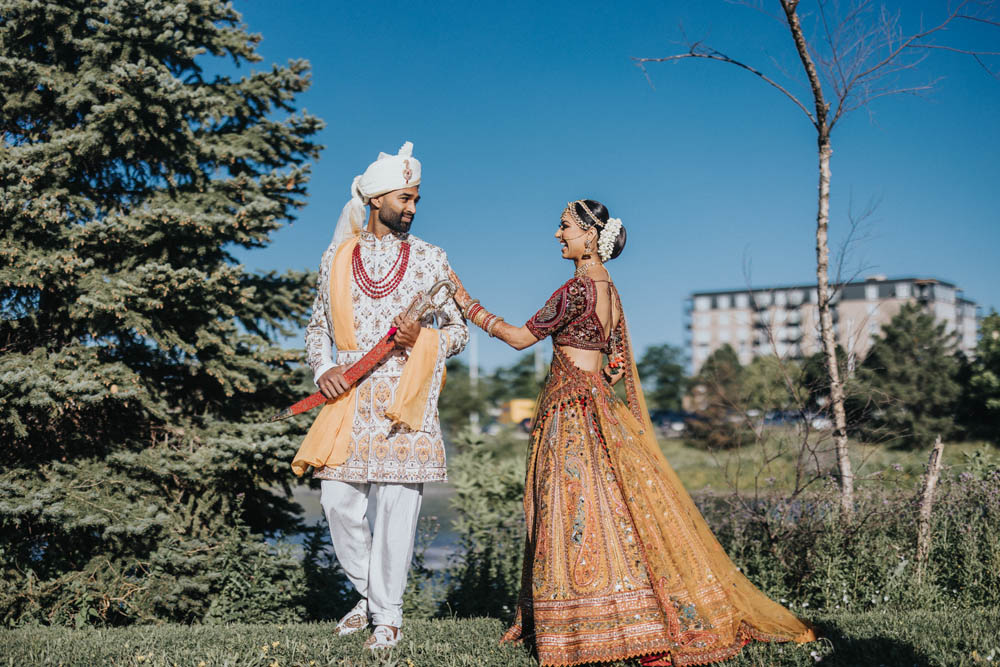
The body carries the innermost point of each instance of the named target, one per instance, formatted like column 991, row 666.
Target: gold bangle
column 495, row 322
column 468, row 307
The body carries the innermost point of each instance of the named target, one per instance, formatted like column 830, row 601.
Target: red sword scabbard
column 421, row 304
column 352, row 375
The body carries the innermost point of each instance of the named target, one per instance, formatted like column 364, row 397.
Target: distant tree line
column 913, row 385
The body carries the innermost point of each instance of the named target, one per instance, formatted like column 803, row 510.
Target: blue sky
column 516, row 108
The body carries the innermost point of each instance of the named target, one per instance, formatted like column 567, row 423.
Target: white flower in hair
column 606, row 241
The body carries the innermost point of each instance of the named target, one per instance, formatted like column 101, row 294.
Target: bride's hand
column 462, row 297
column 613, row 374
column 615, row 370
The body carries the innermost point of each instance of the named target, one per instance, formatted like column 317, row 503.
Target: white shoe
column 383, row 637
column 356, row 619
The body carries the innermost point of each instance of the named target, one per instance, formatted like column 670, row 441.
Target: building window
column 795, row 297
column 703, row 336
column 742, row 301
column 724, row 335
column 780, row 298
column 703, row 303
column 762, row 298
column 722, row 301
column 723, row 319
column 902, row 290
column 871, row 292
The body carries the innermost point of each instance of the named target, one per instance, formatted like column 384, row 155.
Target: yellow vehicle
column 516, row 410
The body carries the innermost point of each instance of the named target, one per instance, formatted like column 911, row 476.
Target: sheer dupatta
column 709, row 606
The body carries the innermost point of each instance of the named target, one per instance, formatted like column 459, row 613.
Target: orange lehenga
column 618, row 560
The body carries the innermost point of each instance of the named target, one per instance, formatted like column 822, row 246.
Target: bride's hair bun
column 600, row 212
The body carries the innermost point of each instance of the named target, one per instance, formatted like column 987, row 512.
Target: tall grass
column 795, row 547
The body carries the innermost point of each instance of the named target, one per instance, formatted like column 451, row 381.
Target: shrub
column 795, row 548
column 798, row 549
column 485, row 577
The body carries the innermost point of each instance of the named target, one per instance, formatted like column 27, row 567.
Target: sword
column 421, row 304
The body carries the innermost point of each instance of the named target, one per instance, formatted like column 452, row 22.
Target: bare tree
column 859, row 53
column 926, row 504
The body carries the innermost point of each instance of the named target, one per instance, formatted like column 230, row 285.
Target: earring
column 586, row 250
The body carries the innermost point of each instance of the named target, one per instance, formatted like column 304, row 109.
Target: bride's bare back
column 608, row 312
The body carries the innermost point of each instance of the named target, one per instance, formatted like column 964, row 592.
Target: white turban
column 385, row 174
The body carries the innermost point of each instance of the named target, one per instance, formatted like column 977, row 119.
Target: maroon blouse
column 570, row 317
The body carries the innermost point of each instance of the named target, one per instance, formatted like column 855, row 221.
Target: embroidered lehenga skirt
column 618, row 560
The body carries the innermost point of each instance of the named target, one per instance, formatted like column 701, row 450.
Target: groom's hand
column 333, row 383
column 408, row 331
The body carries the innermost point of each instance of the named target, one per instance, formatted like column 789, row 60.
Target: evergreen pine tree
column 982, row 396
column 138, row 357
column 816, row 378
column 717, row 395
column 662, row 370
column 722, row 377
column 910, row 377
column 766, row 384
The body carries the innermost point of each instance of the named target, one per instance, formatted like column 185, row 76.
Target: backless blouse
column 570, row 317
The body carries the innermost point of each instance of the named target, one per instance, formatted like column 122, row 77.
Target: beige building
column 784, row 321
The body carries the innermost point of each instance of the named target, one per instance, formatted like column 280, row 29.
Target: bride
column 618, row 561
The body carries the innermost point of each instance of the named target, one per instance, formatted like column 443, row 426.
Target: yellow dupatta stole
column 682, row 554
column 619, row 562
column 328, row 441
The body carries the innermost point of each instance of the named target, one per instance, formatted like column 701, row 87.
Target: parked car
column 671, row 423
column 782, row 417
column 819, row 421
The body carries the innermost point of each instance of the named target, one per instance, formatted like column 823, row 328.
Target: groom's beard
column 394, row 220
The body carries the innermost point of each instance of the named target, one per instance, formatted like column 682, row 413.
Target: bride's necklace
column 582, row 269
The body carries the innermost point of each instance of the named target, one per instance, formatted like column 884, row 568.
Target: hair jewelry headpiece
column 607, row 231
column 584, row 224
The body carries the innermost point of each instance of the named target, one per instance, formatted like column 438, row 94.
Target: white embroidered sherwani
column 381, row 451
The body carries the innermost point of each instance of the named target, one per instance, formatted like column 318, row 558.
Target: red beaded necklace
column 387, row 284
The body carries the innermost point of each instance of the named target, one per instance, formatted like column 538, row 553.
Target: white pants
column 377, row 564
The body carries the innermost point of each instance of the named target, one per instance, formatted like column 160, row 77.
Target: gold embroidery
column 616, row 564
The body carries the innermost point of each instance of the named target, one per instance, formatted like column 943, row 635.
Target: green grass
column 770, row 463
column 721, row 470
column 948, row 637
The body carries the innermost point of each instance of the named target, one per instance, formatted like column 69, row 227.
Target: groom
column 383, row 432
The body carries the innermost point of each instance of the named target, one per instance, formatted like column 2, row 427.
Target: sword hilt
column 418, row 308
column 424, row 301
